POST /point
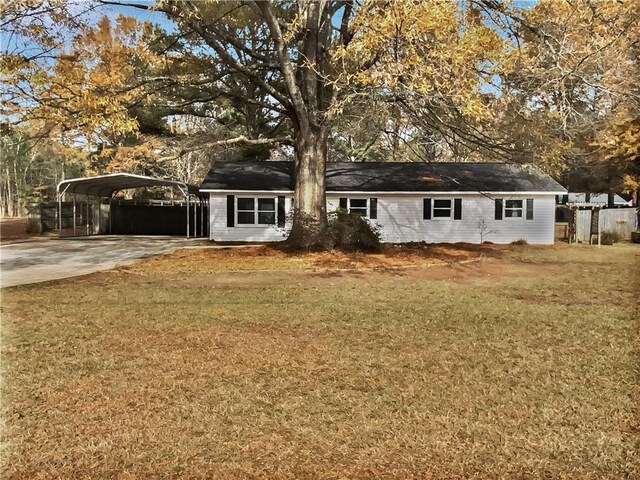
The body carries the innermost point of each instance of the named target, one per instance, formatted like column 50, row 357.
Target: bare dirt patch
column 14, row 230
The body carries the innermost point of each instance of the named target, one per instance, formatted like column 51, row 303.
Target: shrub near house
column 351, row 232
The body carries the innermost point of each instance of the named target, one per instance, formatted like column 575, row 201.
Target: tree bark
column 309, row 230
column 309, row 97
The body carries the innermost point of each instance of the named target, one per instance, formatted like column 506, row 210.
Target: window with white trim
column 256, row 211
column 513, row 208
column 359, row 206
column 442, row 208
column 365, row 207
column 266, row 211
column 246, row 211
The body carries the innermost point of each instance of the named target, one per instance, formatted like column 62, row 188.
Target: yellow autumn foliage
column 86, row 92
column 431, row 49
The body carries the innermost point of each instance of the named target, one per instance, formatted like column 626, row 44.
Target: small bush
column 351, row 232
column 609, row 237
column 520, row 241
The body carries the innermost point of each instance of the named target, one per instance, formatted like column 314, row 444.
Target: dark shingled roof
column 385, row 177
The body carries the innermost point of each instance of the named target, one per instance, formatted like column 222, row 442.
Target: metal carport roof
column 105, row 185
column 102, row 186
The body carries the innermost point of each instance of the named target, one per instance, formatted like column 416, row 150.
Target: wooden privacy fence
column 622, row 221
column 583, row 225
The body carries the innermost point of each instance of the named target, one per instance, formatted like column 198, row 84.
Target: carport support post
column 201, row 217
column 111, row 213
column 99, row 214
column 59, row 213
column 59, row 195
column 87, row 213
column 74, row 214
column 188, row 205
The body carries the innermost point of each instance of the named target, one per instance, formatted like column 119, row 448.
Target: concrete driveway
column 41, row 261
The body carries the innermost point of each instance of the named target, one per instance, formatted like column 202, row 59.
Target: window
column 264, row 214
column 246, row 211
column 365, row 207
column 513, row 208
column 266, row 211
column 358, row 206
column 441, row 208
column 529, row 209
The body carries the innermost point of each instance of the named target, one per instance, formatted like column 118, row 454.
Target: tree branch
column 242, row 139
column 286, row 67
column 345, row 34
column 239, row 67
column 125, row 4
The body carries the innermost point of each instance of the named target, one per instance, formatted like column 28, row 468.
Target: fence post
column 599, row 228
column 34, row 219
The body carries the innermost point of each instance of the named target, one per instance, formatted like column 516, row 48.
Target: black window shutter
column 498, row 209
column 529, row 208
column 343, row 203
column 426, row 209
column 231, row 210
column 373, row 208
column 457, row 209
column 281, row 214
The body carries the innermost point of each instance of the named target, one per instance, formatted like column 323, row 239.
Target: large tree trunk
column 310, row 226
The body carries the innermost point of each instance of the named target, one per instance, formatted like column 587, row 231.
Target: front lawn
column 204, row 364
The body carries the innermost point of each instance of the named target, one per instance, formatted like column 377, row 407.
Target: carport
column 104, row 187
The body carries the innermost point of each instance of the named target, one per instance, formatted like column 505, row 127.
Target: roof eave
column 393, row 192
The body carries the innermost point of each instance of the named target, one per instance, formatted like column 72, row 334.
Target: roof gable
column 385, row 177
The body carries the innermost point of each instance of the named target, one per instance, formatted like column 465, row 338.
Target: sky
column 14, row 43
column 142, row 15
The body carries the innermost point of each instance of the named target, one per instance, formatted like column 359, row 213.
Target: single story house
column 410, row 202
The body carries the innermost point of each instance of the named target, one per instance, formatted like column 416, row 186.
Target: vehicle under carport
column 92, row 208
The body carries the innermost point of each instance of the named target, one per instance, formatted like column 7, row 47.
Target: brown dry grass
column 13, row 230
column 523, row 366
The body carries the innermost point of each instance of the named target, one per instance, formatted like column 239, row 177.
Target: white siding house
column 432, row 216
column 245, row 232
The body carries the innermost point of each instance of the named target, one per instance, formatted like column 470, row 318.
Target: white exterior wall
column 218, row 229
column 400, row 219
